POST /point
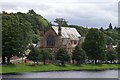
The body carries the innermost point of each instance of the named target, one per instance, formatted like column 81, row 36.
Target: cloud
column 91, row 13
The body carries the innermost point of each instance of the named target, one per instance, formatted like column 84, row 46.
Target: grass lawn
column 50, row 67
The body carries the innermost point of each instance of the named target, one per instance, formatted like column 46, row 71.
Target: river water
column 66, row 74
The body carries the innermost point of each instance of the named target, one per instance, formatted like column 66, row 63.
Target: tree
column 101, row 29
column 46, row 54
column 61, row 22
column 31, row 12
column 62, row 55
column 118, row 51
column 108, row 39
column 110, row 26
column 111, row 36
column 16, row 35
column 79, row 55
column 18, row 30
column 94, row 44
column 39, row 24
column 34, row 54
column 111, row 55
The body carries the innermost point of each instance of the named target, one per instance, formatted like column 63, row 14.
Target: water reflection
column 67, row 74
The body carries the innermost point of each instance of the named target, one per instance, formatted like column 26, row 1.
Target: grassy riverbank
column 29, row 68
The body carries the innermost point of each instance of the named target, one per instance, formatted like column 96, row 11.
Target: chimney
column 59, row 30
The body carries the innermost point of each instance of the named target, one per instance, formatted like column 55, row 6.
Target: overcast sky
column 89, row 13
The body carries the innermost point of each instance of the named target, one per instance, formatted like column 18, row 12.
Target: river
column 66, row 74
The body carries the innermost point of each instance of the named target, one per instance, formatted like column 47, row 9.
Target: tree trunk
column 22, row 59
column 92, row 61
column 34, row 62
column 8, row 60
column 3, row 60
column 37, row 62
column 44, row 62
column 62, row 63
column 111, row 61
column 95, row 61
column 73, row 62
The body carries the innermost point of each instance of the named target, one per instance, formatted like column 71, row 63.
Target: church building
column 57, row 37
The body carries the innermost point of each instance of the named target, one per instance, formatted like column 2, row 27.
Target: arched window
column 50, row 41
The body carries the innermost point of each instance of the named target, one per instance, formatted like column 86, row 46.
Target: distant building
column 57, row 37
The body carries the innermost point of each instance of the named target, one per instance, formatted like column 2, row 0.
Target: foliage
column 110, row 26
column 79, row 55
column 94, row 44
column 118, row 51
column 34, row 54
column 20, row 29
column 61, row 22
column 46, row 55
column 101, row 29
column 38, row 23
column 111, row 55
column 17, row 33
column 62, row 55
column 111, row 36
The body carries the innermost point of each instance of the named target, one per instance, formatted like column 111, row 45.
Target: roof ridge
column 63, row 27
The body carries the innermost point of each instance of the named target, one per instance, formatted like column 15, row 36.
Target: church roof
column 67, row 32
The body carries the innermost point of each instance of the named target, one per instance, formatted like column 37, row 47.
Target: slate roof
column 70, row 33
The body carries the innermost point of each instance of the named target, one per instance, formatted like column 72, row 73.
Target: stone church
column 57, row 37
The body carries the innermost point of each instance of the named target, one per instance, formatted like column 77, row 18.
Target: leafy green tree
column 94, row 45
column 108, row 39
column 111, row 36
column 34, row 54
column 118, row 51
column 31, row 12
column 79, row 55
column 62, row 55
column 39, row 24
column 20, row 29
column 46, row 55
column 61, row 22
column 17, row 34
column 111, row 55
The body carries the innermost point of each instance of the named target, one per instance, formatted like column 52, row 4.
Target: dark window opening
column 50, row 41
column 69, row 43
column 75, row 42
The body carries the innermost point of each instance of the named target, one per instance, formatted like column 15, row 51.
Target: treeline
column 111, row 34
column 92, row 51
column 20, row 30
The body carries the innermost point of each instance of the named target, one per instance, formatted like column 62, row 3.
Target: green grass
column 50, row 67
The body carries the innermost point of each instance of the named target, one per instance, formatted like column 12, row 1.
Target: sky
column 87, row 13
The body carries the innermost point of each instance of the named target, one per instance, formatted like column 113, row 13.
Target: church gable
column 50, row 38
